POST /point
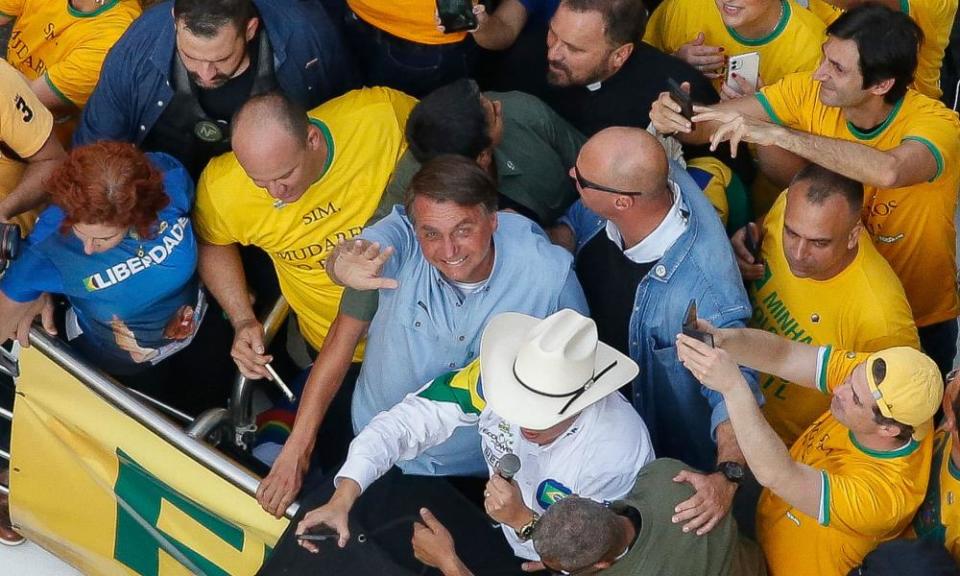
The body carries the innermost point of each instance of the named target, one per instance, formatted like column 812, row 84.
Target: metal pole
column 104, row 387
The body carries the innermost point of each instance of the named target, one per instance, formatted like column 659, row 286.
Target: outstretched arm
column 281, row 486
column 768, row 458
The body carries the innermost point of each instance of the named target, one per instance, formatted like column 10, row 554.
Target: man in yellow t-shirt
column 60, row 46
column 938, row 518
column 295, row 188
column 399, row 44
column 935, row 18
column 857, row 117
column 857, row 475
column 815, row 256
column 28, row 151
column 705, row 34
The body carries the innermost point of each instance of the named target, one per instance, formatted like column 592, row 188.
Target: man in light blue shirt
column 449, row 263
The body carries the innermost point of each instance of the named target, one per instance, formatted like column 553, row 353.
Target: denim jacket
column 310, row 63
column 681, row 414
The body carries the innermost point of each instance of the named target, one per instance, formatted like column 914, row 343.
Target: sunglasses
column 583, row 183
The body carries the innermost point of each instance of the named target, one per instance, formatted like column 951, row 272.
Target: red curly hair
column 109, row 183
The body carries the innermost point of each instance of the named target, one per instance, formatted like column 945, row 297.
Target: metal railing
column 142, row 408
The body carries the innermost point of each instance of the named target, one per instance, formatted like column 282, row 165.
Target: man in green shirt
column 520, row 141
column 630, row 537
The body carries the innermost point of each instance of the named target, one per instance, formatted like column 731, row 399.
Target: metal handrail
column 121, row 399
column 241, row 401
column 6, row 414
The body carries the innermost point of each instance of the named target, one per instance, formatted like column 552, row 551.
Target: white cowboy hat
column 537, row 373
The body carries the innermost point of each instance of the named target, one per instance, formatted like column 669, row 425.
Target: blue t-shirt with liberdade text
column 123, row 299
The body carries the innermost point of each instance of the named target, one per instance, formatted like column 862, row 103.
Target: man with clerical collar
column 175, row 79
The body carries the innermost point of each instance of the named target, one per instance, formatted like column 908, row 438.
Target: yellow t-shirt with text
column 413, row 20
column 823, row 312
column 866, row 496
column 912, row 226
column 363, row 130
column 792, row 46
column 25, row 126
column 935, row 18
column 51, row 39
column 939, row 516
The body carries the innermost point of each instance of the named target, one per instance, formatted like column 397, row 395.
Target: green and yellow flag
column 108, row 496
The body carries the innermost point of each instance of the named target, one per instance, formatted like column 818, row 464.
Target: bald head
column 627, row 159
column 277, row 146
column 268, row 117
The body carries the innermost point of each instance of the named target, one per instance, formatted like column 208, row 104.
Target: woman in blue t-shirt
column 118, row 244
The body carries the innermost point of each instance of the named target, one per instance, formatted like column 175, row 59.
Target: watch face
column 732, row 471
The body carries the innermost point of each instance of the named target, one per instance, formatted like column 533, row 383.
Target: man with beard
column 602, row 73
column 174, row 80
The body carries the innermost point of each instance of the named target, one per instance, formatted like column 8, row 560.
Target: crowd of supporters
column 658, row 287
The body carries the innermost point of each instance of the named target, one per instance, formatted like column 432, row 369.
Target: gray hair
column 575, row 533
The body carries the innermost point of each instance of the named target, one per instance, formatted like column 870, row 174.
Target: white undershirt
column 656, row 244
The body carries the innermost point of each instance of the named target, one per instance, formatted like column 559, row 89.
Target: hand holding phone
column 690, row 325
column 752, row 243
column 681, row 97
column 456, row 15
column 319, row 533
column 746, row 67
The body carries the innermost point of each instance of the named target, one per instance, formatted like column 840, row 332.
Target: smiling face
column 212, row 61
column 749, row 14
column 819, row 240
column 578, row 52
column 457, row 240
column 841, row 83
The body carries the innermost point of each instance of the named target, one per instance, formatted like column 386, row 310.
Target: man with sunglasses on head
column 643, row 221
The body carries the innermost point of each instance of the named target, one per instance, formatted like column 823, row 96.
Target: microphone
column 508, row 466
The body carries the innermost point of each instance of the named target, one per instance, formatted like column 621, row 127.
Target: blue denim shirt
column 427, row 327
column 310, row 63
column 681, row 414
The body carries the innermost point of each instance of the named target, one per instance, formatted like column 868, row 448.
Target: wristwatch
column 526, row 531
column 732, row 471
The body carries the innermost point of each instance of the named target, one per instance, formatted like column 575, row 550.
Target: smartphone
column 690, row 325
column 456, row 15
column 681, row 97
column 747, row 66
column 752, row 244
column 319, row 534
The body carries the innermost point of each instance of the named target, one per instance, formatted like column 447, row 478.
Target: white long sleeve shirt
column 598, row 457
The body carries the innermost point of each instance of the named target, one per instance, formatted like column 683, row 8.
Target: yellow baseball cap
column 911, row 390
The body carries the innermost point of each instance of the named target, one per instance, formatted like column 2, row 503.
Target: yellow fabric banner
column 102, row 492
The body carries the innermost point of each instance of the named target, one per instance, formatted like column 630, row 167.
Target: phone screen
column 456, row 15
